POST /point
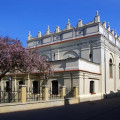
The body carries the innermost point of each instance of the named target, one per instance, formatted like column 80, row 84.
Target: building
column 87, row 56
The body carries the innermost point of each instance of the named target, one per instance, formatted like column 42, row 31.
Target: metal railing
column 30, row 96
column 54, row 95
column 14, row 96
column 9, row 96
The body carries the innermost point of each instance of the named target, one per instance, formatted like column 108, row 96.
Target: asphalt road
column 108, row 109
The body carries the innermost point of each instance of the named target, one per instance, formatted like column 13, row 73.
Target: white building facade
column 87, row 56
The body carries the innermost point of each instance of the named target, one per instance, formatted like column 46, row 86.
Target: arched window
column 92, row 85
column 35, row 86
column 110, row 68
column 70, row 54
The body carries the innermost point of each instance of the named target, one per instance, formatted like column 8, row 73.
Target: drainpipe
column 105, row 68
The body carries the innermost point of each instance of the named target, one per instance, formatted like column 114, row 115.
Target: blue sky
column 17, row 17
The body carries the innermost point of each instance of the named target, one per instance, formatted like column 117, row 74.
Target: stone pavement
column 108, row 109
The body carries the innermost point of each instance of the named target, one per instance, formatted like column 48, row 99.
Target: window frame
column 110, row 68
column 92, row 84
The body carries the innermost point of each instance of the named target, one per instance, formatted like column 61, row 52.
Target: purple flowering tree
column 15, row 58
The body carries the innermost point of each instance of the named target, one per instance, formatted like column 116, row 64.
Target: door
column 35, row 86
column 55, row 87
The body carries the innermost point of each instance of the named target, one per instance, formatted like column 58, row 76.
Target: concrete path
column 108, row 109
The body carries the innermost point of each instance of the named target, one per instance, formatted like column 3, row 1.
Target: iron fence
column 9, row 96
column 30, row 96
column 54, row 95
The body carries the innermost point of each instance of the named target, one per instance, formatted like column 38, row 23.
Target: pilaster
column 28, row 85
column 22, row 94
column 63, row 92
column 45, row 93
column 76, row 91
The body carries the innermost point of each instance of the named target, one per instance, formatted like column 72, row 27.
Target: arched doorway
column 35, row 86
column 92, row 85
column 55, row 87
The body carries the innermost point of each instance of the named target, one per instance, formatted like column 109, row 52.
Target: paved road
column 99, row 110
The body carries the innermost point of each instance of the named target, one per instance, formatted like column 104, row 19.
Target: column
column 45, row 93
column 81, row 86
column 63, row 92
column 76, row 91
column 58, row 54
column 22, row 94
column 114, row 72
column 28, row 86
column 83, row 83
column 15, row 83
column 2, row 86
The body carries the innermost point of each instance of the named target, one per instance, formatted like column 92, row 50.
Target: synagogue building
column 86, row 56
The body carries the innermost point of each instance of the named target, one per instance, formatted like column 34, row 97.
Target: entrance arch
column 55, row 87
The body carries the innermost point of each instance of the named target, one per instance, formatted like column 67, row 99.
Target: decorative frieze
column 81, row 30
column 78, row 33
